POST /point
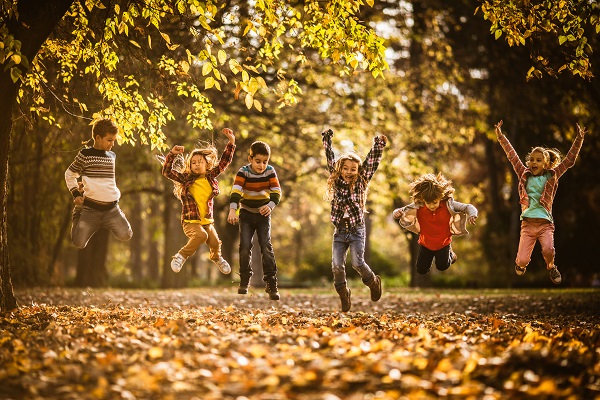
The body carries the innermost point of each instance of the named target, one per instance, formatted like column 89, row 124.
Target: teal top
column 535, row 188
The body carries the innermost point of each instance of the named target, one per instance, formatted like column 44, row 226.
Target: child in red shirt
column 435, row 216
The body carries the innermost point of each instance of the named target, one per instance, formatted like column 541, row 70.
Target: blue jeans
column 249, row 223
column 345, row 238
column 87, row 220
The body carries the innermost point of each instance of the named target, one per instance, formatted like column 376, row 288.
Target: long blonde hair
column 209, row 152
column 337, row 173
column 552, row 157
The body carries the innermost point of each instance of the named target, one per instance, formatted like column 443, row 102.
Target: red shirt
column 435, row 227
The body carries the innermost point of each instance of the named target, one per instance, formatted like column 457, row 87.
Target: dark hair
column 259, row 148
column 103, row 127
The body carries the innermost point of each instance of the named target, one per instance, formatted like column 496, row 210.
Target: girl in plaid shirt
column 347, row 188
column 538, row 181
column 196, row 186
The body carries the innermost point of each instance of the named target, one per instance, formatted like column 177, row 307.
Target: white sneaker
column 177, row 262
column 223, row 265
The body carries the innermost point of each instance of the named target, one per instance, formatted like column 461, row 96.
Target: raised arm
column 227, row 155
column 571, row 156
column 511, row 154
column 373, row 158
column 167, row 169
column 327, row 135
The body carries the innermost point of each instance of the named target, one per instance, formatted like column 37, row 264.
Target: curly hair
column 210, row 154
column 552, row 157
column 430, row 187
column 337, row 173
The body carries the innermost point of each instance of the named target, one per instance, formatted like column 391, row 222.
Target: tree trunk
column 43, row 15
column 91, row 261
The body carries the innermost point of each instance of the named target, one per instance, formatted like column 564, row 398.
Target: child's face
column 536, row 163
column 258, row 163
column 105, row 143
column 349, row 170
column 434, row 205
column 198, row 164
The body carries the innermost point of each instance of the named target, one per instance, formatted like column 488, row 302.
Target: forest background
column 451, row 77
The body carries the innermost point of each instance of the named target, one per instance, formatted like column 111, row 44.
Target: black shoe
column 271, row 289
column 242, row 289
column 344, row 293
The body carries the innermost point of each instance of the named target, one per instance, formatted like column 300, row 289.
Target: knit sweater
column 97, row 171
column 251, row 191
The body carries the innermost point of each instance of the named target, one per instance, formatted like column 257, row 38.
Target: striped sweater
column 251, row 191
column 97, row 171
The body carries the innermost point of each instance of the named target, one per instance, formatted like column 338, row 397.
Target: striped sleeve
column 74, row 172
column 237, row 190
column 275, row 188
column 512, row 155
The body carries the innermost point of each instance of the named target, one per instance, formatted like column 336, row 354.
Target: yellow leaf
column 206, row 68
column 222, row 57
column 249, row 101
column 166, row 37
column 16, row 58
column 258, row 106
column 235, row 66
column 209, row 82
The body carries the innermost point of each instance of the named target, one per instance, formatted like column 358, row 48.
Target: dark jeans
column 425, row 257
column 250, row 223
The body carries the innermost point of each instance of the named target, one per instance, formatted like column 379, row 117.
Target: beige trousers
column 199, row 234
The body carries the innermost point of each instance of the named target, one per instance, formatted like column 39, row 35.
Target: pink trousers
column 532, row 230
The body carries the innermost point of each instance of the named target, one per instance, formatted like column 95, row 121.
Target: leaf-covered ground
column 216, row 344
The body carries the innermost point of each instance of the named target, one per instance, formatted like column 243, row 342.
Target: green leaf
column 498, row 33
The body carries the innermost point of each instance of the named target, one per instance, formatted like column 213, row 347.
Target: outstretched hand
column 581, row 131
column 472, row 220
column 498, row 127
column 229, row 133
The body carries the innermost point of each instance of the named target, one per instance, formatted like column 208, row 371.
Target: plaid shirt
column 523, row 173
column 345, row 198
column 189, row 209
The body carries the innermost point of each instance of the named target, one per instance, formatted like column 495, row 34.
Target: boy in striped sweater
column 255, row 193
column 96, row 198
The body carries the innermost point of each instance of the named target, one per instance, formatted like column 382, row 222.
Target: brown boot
column 344, row 293
column 375, row 287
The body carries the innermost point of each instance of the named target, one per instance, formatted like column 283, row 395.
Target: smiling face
column 105, row 143
column 198, row 164
column 349, row 171
column 537, row 163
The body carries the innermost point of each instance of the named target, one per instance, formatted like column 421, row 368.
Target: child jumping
column 538, row 181
column 96, row 197
column 347, row 188
column 255, row 193
column 435, row 216
column 196, row 186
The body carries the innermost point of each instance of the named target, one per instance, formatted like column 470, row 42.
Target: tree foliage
column 113, row 41
column 557, row 33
